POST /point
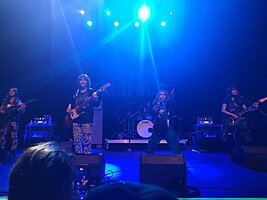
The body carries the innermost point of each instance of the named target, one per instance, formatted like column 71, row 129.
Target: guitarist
column 11, row 109
column 236, row 134
column 82, row 125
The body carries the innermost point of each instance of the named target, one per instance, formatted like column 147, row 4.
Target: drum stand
column 128, row 131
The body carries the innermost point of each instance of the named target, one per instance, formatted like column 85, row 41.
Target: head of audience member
column 130, row 191
column 43, row 172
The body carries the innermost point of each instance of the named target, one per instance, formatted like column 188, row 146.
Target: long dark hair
column 229, row 91
column 8, row 97
column 158, row 94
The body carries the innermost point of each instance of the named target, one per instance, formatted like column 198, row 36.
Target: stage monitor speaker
column 252, row 157
column 96, row 164
column 166, row 171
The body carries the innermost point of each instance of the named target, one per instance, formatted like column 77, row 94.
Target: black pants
column 236, row 136
column 170, row 137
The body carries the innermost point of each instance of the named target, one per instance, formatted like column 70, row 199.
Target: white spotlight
column 144, row 13
column 89, row 23
column 136, row 24
column 82, row 12
column 116, row 23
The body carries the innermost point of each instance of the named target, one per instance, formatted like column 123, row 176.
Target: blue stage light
column 116, row 23
column 82, row 12
column 108, row 12
column 89, row 23
column 144, row 13
column 136, row 24
column 163, row 23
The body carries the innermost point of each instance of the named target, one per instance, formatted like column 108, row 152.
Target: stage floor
column 212, row 173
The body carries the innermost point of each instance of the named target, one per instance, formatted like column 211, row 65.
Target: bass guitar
column 76, row 112
column 230, row 121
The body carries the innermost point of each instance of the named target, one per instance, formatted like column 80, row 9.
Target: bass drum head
column 145, row 128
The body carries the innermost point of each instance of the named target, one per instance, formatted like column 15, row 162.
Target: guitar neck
column 87, row 101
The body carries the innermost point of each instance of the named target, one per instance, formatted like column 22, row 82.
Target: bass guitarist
column 82, row 125
column 236, row 128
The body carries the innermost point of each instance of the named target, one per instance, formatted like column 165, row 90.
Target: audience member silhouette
column 129, row 191
column 43, row 172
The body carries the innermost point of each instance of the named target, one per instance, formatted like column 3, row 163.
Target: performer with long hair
column 236, row 128
column 162, row 128
column 11, row 109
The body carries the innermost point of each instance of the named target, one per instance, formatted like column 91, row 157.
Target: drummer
column 139, row 114
column 162, row 129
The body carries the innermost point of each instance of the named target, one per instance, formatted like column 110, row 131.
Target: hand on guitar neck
column 257, row 103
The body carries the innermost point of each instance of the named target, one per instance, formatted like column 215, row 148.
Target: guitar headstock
column 256, row 104
column 104, row 87
column 30, row 101
column 262, row 99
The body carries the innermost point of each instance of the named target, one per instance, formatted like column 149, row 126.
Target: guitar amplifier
column 209, row 137
column 36, row 133
column 97, row 131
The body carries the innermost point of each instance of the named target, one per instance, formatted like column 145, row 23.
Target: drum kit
column 137, row 125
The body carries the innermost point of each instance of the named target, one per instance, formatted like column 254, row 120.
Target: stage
column 213, row 174
column 137, row 144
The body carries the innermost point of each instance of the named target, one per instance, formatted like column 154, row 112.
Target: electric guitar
column 230, row 121
column 76, row 112
column 5, row 117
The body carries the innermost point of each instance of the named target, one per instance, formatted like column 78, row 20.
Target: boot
column 2, row 156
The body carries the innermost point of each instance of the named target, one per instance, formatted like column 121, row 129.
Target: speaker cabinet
column 210, row 144
column 37, row 133
column 97, row 131
column 252, row 157
column 163, row 170
column 208, row 138
column 95, row 164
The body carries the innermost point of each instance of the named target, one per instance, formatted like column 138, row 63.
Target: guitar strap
column 77, row 92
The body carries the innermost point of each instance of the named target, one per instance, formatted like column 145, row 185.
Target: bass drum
column 144, row 128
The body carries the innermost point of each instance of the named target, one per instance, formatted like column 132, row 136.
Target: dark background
column 206, row 47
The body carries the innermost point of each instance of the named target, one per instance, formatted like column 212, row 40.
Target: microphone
column 77, row 92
